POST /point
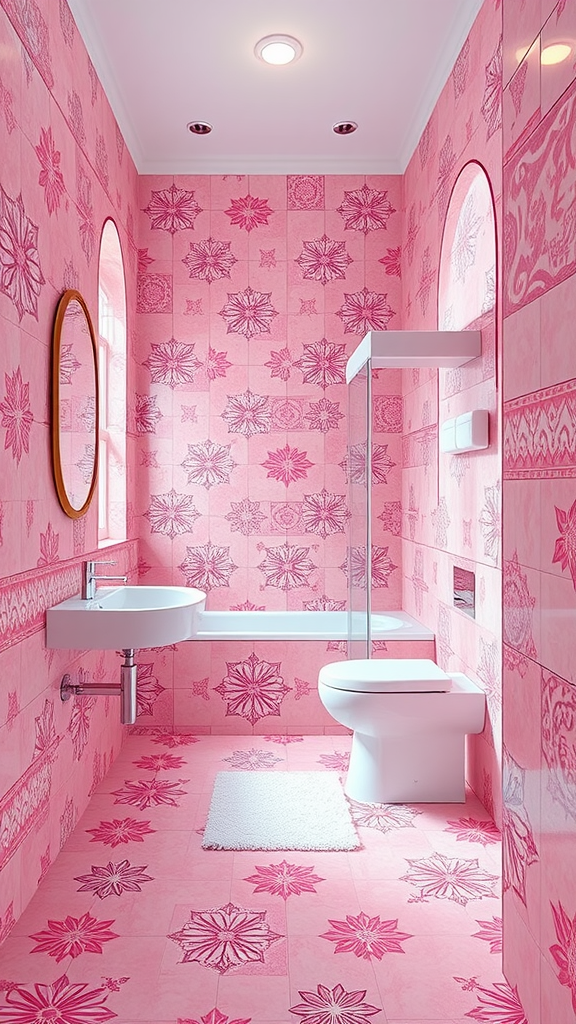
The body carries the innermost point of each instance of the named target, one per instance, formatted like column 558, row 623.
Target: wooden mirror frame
column 69, row 296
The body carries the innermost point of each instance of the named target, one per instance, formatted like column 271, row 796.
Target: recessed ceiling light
column 278, row 49
column 344, row 127
column 555, row 53
column 199, row 127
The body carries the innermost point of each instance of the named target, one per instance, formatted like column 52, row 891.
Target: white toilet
column 409, row 721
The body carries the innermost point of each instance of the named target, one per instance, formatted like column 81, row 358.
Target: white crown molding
column 272, row 165
column 431, row 94
column 97, row 53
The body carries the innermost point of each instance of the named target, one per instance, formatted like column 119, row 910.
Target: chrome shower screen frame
column 359, row 548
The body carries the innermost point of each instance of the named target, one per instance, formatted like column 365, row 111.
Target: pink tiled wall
column 252, row 293
column 539, row 508
column 63, row 170
column 451, row 503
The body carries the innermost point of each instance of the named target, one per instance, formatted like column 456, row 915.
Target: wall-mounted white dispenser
column 465, row 433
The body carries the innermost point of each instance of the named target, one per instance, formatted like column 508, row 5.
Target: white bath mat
column 279, row 811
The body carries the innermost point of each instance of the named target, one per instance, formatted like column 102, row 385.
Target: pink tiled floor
column 156, row 929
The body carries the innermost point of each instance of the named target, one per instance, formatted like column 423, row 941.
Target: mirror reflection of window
column 112, row 380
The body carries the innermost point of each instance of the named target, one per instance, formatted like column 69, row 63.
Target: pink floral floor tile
column 135, row 919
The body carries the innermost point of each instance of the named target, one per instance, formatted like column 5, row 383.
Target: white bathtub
column 226, row 625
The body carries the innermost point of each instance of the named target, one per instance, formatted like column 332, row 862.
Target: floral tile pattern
column 325, row 946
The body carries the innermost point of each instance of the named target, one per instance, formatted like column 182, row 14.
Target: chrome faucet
column 89, row 579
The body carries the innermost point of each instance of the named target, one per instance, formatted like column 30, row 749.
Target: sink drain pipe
column 125, row 689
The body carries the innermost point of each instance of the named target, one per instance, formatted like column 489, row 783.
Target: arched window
column 112, row 378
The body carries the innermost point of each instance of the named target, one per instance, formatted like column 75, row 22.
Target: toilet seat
column 390, row 675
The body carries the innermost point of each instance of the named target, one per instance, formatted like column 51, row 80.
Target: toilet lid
column 390, row 675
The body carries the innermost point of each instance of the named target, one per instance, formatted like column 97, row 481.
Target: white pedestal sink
column 120, row 618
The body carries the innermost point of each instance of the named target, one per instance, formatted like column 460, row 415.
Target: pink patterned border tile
column 540, row 434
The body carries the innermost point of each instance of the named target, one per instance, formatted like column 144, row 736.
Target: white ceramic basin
column 124, row 617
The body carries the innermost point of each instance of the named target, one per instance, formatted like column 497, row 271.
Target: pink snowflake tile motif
column 366, row 937
column 308, row 308
column 172, row 209
column 208, row 463
column 323, row 259
column 159, row 762
column 383, row 817
column 413, row 229
column 193, row 307
column 145, row 793
column 50, row 177
column 171, row 514
column 287, row 567
column 324, row 604
column 146, row 414
column 149, row 458
column 565, row 546
column 154, row 293
column 302, row 688
column 60, row 1002
column 252, row 760
column 489, row 673
column 498, row 1005
column 564, row 950
column 287, row 464
column 17, row 415
column 472, row 831
column 288, row 413
column 173, row 363
column 446, row 164
column 76, row 118
column 247, row 606
column 519, row 850
column 225, row 937
column 247, row 414
column 366, row 209
column 490, row 520
column 284, row 879
column 183, row 739
column 463, row 252
column 449, row 878
column 249, row 312
column 144, row 261
column 113, row 879
column 284, row 740
column 80, row 717
column 280, row 364
column 68, row 820
column 148, row 689
column 339, row 761
column 49, row 543
column 45, row 730
column 253, row 689
column 323, row 363
column 113, row 984
column 118, row 831
column 558, row 709
column 334, row 1006
column 249, row 212
column 356, row 567
column 491, row 108
column 85, row 210
column 188, row 414
column 245, row 517
column 216, row 364
column 391, row 517
column 518, row 605
column 324, row 416
column 491, row 932
column 200, row 688
column 207, row 566
column 426, row 280
column 214, row 1017
column 441, row 521
column 286, row 517
column 392, row 262
column 72, row 937
column 354, row 465
column 324, row 513
column 209, row 260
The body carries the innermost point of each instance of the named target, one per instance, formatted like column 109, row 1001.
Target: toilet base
column 407, row 770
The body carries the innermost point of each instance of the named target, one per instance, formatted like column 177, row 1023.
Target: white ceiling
column 381, row 63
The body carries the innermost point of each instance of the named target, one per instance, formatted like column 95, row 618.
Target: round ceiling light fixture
column 278, row 49
column 555, row 53
column 344, row 127
column 199, row 127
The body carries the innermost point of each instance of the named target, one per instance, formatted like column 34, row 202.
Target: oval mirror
column 74, row 404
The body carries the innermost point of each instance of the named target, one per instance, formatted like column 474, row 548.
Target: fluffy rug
column 279, row 811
